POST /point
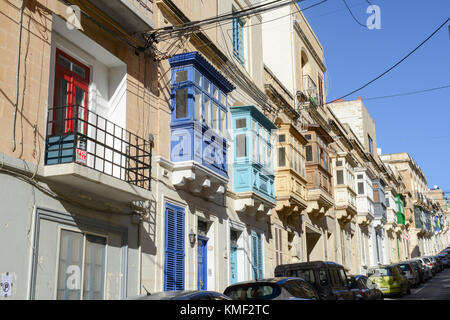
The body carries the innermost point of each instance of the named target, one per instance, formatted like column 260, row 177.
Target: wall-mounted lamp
column 192, row 237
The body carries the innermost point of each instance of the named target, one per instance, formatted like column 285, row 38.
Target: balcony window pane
column 198, row 104
column 309, row 154
column 206, row 85
column 254, row 147
column 206, row 110
column 241, row 123
column 360, row 187
column 223, row 121
column 197, row 77
column 269, row 159
column 181, row 104
column 241, row 145
column 215, row 123
column 223, row 99
column 215, row 93
column 181, row 76
column 340, row 177
column 281, row 157
column 281, row 138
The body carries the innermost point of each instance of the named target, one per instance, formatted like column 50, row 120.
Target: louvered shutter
column 174, row 255
column 259, row 257
column 256, row 256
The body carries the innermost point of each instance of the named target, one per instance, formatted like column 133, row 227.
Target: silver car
column 428, row 269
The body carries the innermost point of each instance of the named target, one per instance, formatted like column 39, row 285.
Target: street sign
column 406, row 236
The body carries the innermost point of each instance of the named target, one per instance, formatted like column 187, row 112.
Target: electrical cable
column 396, row 64
column 407, row 93
column 353, row 16
column 168, row 31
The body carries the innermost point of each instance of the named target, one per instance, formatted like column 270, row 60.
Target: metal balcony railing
column 76, row 134
column 310, row 89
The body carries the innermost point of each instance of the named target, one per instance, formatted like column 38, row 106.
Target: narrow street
column 437, row 288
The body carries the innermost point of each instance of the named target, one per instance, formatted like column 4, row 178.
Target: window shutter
column 257, row 256
column 174, row 255
column 259, row 252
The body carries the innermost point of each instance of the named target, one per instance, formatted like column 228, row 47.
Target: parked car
column 426, row 267
column 439, row 262
column 282, row 288
column 431, row 264
column 419, row 269
column 365, row 288
column 182, row 295
column 328, row 278
column 445, row 260
column 410, row 273
column 446, row 253
column 389, row 279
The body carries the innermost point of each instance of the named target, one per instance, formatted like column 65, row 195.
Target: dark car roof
column 313, row 264
column 169, row 295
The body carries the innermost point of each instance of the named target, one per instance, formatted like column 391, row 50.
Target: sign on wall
column 6, row 285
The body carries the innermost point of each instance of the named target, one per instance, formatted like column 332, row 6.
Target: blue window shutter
column 174, row 254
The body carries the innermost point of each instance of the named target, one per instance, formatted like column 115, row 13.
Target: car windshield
column 253, row 291
column 380, row 272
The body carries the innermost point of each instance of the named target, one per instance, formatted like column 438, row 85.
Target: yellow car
column 390, row 279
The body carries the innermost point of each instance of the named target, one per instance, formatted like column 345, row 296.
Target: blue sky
column 418, row 124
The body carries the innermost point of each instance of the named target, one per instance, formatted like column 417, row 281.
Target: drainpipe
column 17, row 78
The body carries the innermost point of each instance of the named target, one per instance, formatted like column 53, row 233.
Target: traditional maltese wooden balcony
column 253, row 176
column 290, row 175
column 318, row 172
column 198, row 149
column 344, row 187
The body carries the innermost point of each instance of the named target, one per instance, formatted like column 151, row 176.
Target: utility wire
column 167, row 31
column 353, row 16
column 408, row 93
column 395, row 65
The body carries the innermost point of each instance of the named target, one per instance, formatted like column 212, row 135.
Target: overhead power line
column 407, row 93
column 353, row 16
column 395, row 65
column 160, row 34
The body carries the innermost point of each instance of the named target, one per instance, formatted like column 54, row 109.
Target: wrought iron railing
column 76, row 134
column 310, row 89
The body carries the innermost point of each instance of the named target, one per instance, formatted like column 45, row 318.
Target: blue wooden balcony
column 253, row 163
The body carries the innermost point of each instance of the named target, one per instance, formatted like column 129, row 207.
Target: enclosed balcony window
column 181, row 110
column 199, row 112
column 309, row 153
column 281, row 157
column 340, row 176
column 253, row 151
column 360, row 187
column 241, row 145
